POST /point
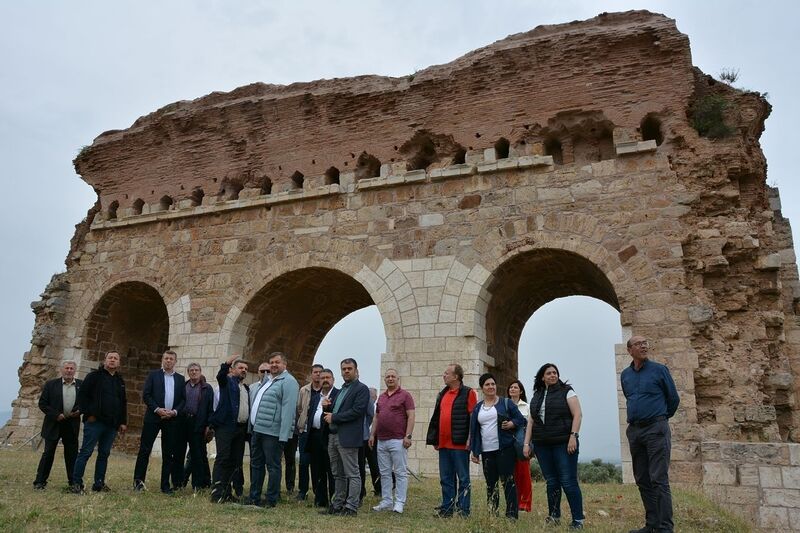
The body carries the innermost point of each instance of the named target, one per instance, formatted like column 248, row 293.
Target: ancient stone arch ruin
column 589, row 158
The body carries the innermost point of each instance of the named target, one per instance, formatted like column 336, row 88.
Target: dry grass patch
column 609, row 508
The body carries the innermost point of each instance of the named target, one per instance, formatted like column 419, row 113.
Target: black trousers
column 69, row 438
column 367, row 455
column 196, row 464
column 650, row 454
column 321, row 475
column 230, row 442
column 289, row 451
column 304, row 467
column 498, row 466
column 171, row 452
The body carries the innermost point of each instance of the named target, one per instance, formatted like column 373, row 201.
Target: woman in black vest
column 492, row 440
column 553, row 427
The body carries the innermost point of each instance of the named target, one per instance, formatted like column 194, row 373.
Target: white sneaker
column 398, row 509
column 382, row 507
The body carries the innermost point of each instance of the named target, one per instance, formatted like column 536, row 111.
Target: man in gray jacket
column 273, row 402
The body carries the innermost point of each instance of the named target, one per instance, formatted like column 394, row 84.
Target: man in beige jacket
column 303, row 402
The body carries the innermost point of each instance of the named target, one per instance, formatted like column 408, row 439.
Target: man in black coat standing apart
column 61, row 422
column 164, row 397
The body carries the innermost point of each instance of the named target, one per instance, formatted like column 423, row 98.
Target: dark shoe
column 168, row 492
column 39, row 486
column 301, row 497
column 440, row 513
column 645, row 529
column 575, row 525
column 552, row 521
column 102, row 487
column 347, row 512
column 331, row 510
column 75, row 488
column 138, row 485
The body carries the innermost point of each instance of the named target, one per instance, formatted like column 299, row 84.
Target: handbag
column 519, row 438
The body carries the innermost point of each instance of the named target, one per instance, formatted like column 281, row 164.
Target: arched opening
column 367, row 166
column 297, row 180
column 266, row 186
column 112, row 210
column 197, row 196
column 165, row 203
column 651, row 129
column 501, row 148
column 586, row 360
column 131, row 319
column 543, row 280
column 294, row 312
column 553, row 147
column 332, row 176
column 138, row 205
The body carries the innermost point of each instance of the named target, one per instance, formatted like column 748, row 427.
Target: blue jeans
column 560, row 471
column 454, row 465
column 94, row 434
column 265, row 450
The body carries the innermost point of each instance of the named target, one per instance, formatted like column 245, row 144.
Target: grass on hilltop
column 608, row 507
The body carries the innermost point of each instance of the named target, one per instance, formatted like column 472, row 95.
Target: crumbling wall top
column 614, row 68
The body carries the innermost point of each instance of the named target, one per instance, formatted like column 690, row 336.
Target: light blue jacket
column 276, row 410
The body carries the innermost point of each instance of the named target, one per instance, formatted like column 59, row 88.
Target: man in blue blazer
column 164, row 397
column 62, row 421
column 345, row 438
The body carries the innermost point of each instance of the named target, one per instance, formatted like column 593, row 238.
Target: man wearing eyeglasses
column 651, row 399
column 273, row 403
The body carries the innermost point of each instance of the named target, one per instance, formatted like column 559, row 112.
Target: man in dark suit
column 164, row 397
column 346, row 436
column 316, row 443
column 61, row 422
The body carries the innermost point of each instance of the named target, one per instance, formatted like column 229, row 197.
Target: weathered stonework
column 558, row 162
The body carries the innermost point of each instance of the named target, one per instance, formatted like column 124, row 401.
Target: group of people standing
column 337, row 430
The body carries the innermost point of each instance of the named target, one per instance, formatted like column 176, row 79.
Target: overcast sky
column 71, row 70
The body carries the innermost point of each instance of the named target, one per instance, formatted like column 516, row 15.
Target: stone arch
column 524, row 283
column 291, row 305
column 577, row 234
column 132, row 319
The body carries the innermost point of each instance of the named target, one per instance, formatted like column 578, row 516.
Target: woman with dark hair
column 492, row 439
column 522, row 468
column 553, row 425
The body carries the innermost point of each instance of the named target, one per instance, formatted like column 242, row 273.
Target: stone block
column 791, row 477
column 432, row 219
column 768, row 262
column 770, row 476
column 782, row 497
column 719, row 474
column 748, row 475
column 700, row 314
column 507, row 164
column 773, row 517
column 490, row 155
column 414, row 176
